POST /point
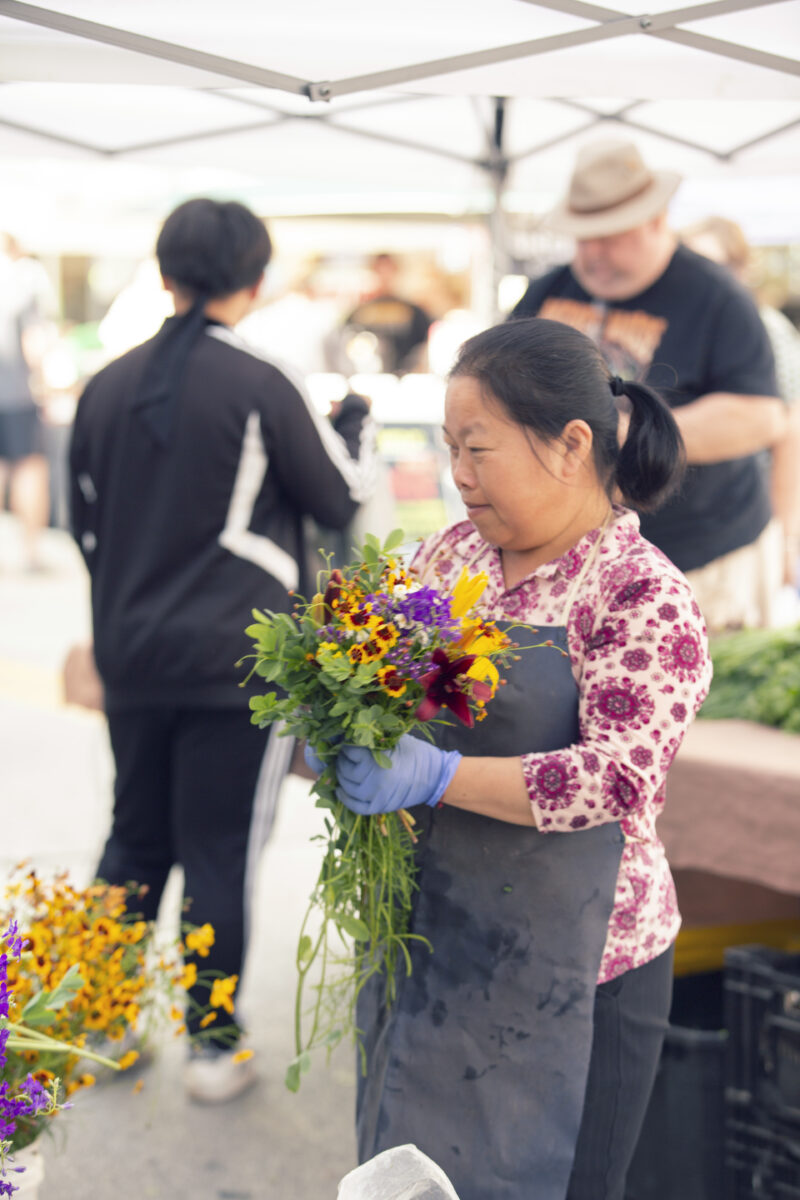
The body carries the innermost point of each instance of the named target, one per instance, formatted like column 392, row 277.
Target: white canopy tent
column 129, row 105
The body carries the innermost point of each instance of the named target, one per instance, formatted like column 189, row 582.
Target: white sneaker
column 214, row 1076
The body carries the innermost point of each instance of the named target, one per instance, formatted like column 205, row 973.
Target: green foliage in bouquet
column 372, row 657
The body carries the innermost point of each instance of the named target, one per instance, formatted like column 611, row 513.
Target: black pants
column 630, row 1019
column 196, row 787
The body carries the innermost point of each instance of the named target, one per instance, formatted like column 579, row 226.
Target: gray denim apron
column 483, row 1057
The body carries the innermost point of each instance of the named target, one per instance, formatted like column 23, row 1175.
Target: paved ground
column 55, row 786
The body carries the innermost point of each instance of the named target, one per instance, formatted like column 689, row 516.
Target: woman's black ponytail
column 652, row 458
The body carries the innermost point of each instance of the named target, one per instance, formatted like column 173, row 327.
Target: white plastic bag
column 402, row 1173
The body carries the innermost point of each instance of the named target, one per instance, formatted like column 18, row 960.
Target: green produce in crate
column 757, row 678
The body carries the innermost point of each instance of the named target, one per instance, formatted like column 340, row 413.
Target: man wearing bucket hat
column 666, row 316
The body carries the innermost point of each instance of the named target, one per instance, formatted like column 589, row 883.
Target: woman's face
column 519, row 491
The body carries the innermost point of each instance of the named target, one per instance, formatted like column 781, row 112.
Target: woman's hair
column 545, row 374
column 213, row 248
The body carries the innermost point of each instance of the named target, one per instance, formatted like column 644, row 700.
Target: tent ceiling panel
column 18, row 147
column 31, row 53
column 444, row 122
column 108, row 117
column 301, row 106
column 326, row 160
column 315, row 39
column 644, row 67
column 721, row 125
column 534, row 123
column 775, row 29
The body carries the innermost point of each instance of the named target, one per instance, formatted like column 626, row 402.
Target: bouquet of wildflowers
column 372, row 657
column 79, row 972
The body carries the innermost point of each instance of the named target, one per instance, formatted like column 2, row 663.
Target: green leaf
column 264, row 617
column 353, row 926
column 304, row 949
column 40, row 1008
column 270, row 669
column 395, row 539
column 382, row 759
column 292, row 1077
column 305, row 1063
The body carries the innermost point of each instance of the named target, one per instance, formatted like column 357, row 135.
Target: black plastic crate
column 762, row 1014
column 680, row 1151
column 762, row 1156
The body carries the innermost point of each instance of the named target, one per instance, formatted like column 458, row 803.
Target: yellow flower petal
column 485, row 670
column 242, row 1056
column 467, row 592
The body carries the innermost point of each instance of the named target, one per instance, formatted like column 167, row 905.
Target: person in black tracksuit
column 193, row 462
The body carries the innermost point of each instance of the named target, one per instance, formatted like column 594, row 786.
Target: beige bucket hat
column 611, row 190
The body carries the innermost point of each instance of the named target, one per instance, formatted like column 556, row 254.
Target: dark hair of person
column 213, row 248
column 545, row 374
column 209, row 249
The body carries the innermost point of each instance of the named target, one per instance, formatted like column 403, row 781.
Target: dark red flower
column 443, row 689
column 332, row 592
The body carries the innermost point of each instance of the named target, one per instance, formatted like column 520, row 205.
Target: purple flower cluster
column 426, row 607
column 31, row 1098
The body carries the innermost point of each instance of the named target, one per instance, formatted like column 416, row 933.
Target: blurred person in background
column 25, row 302
column 294, row 324
column 396, row 328
column 193, row 463
column 723, row 241
column 666, row 316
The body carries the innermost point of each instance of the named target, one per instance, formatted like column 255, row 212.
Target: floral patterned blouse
column 639, row 654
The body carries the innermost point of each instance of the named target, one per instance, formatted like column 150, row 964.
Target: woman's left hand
column 420, row 774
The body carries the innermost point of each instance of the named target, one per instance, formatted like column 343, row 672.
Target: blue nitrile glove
column 420, row 774
column 313, row 761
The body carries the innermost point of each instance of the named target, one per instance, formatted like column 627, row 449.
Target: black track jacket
column 182, row 542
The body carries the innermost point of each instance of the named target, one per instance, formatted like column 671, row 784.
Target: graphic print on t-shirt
column 627, row 340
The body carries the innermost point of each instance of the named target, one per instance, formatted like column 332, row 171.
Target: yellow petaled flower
column 208, row 1019
column 222, row 993
column 385, row 635
column 481, row 637
column 484, row 670
column 332, row 649
column 242, row 1056
column 189, row 976
column 201, row 940
column 128, row 1060
column 358, row 616
column 467, row 592
column 391, row 681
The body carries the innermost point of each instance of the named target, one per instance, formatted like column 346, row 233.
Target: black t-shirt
column 399, row 326
column 692, row 332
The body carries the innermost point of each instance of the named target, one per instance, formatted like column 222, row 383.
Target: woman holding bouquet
column 520, row 1054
